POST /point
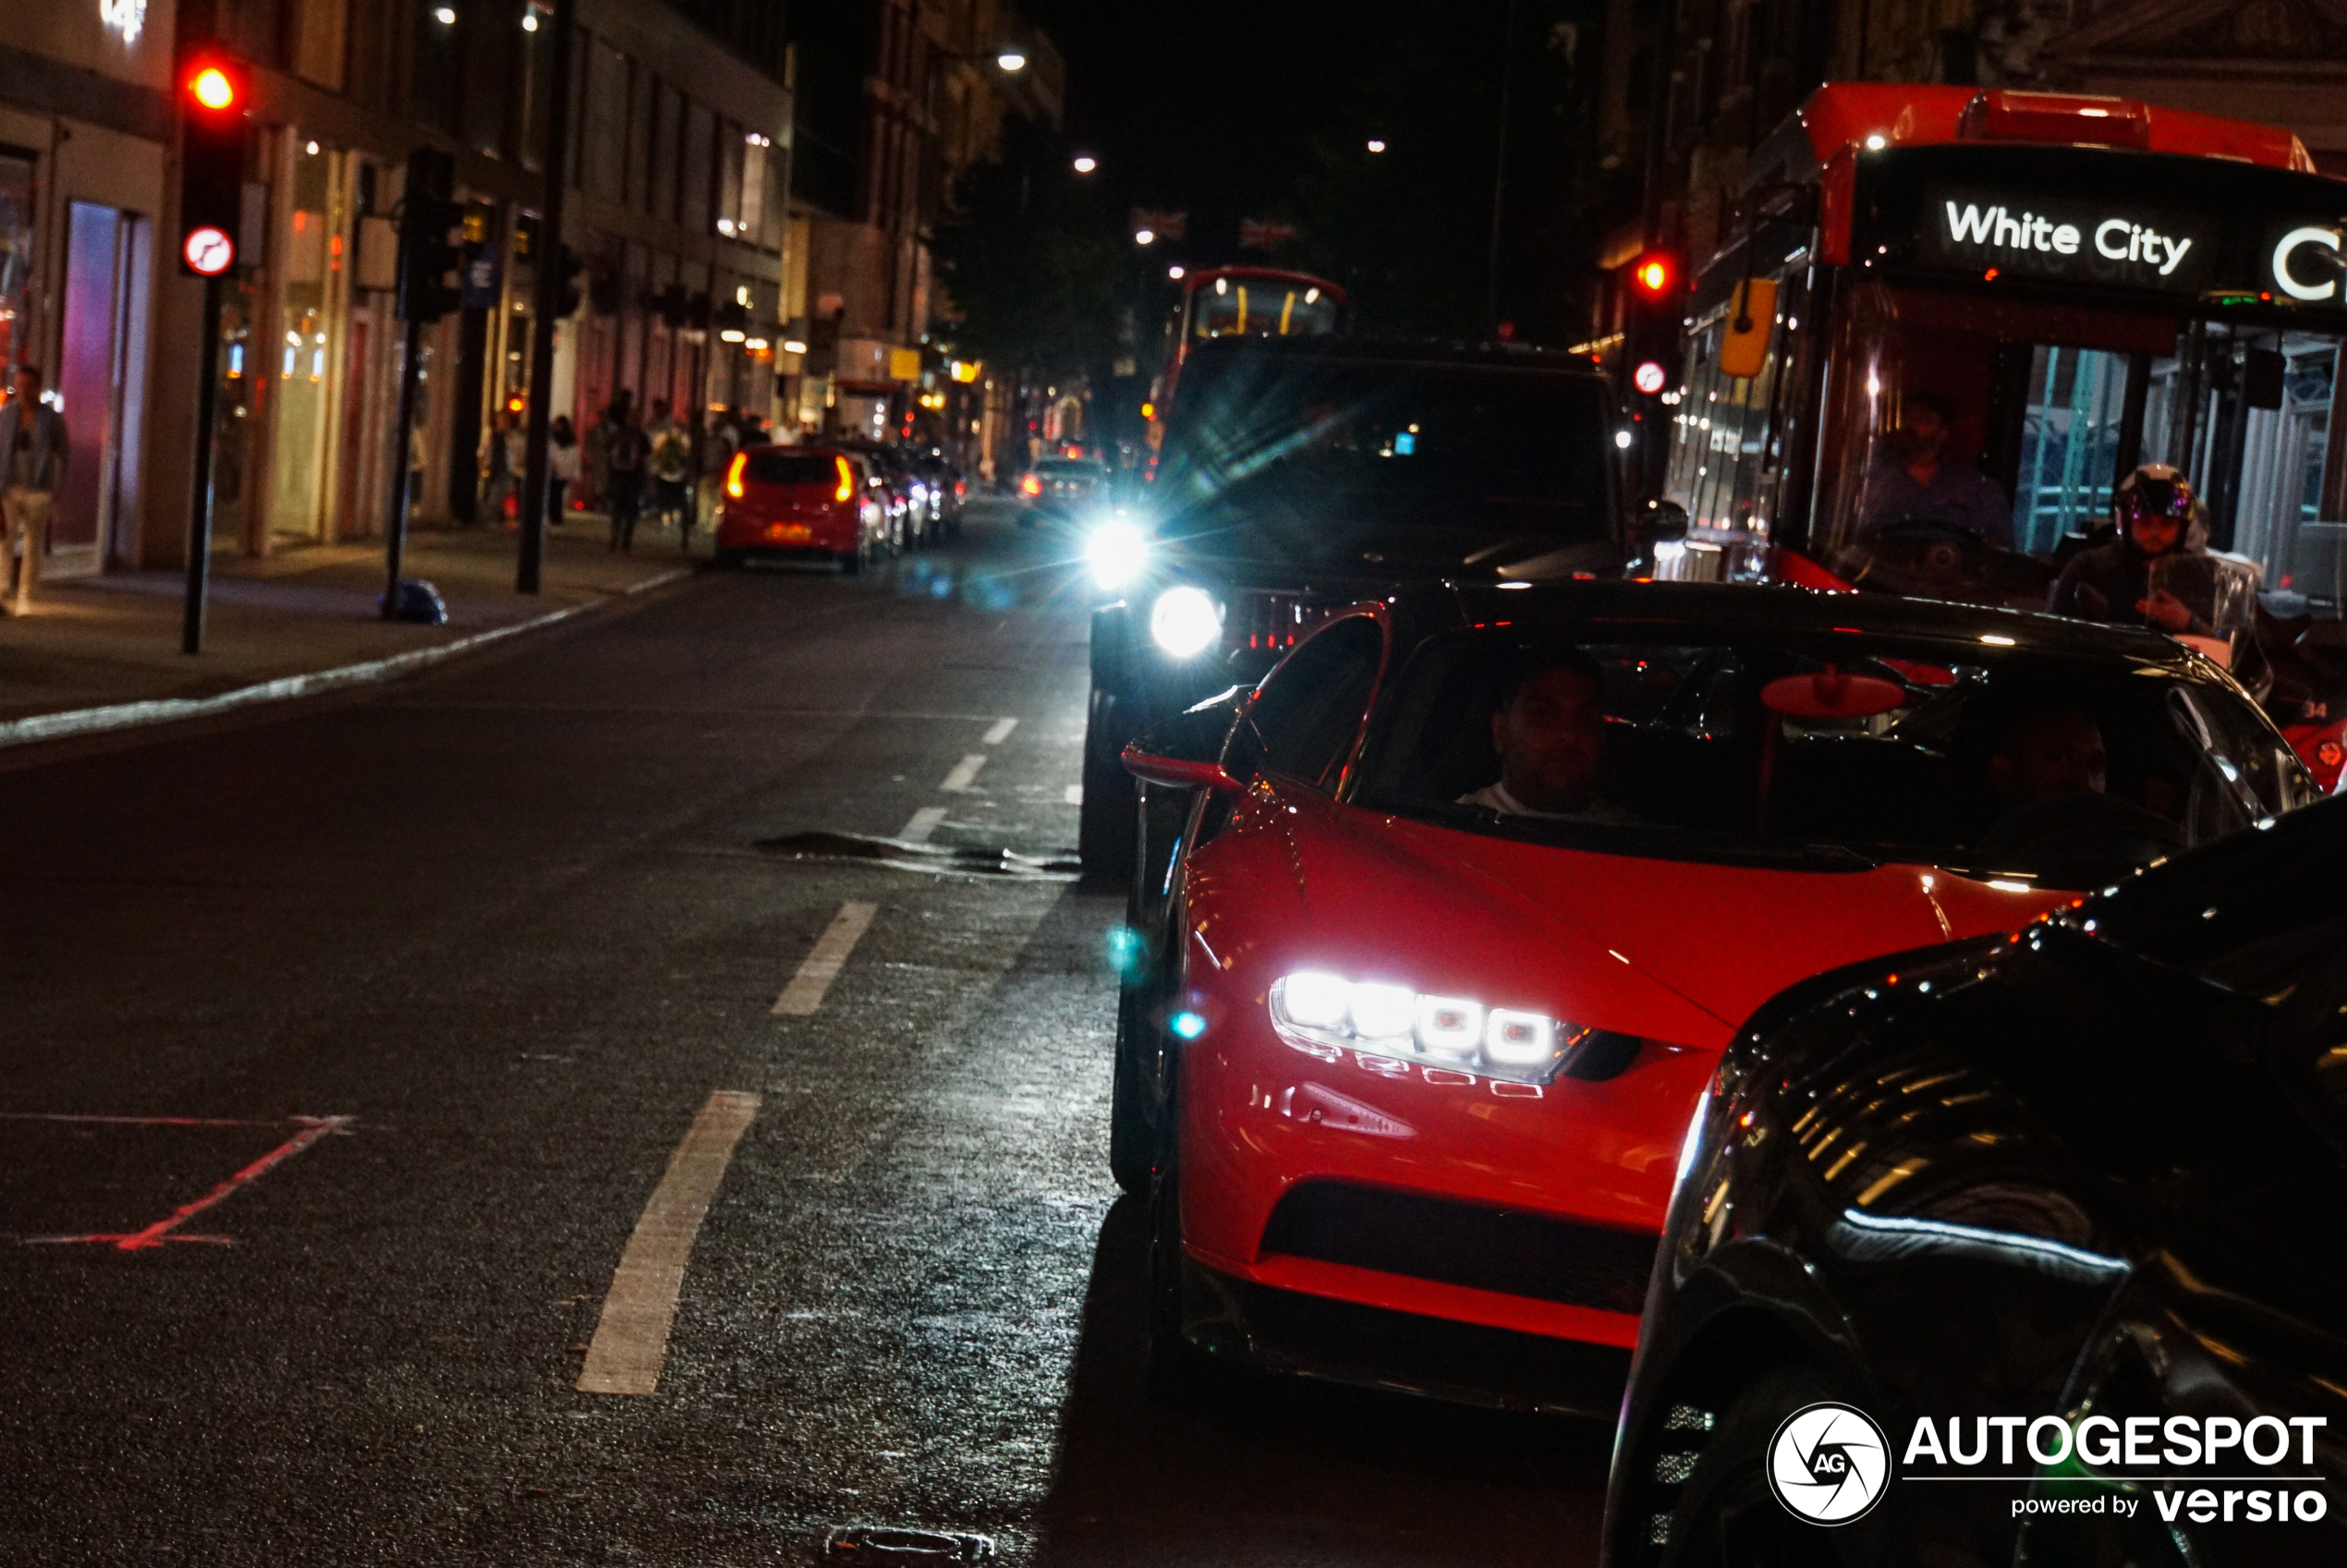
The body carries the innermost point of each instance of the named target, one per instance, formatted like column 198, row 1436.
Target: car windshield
column 1334, row 447
column 789, row 467
column 1675, row 740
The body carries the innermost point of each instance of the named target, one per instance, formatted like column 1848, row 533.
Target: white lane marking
column 630, row 1345
column 1000, row 733
column 925, row 822
column 1074, row 794
column 964, row 772
column 805, row 992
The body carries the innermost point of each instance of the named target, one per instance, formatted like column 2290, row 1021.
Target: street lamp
column 1178, row 272
column 1377, row 144
column 1145, row 236
column 1011, row 60
column 1086, row 164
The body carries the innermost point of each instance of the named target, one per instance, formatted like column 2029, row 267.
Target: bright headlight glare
column 1384, row 1012
column 1117, row 551
column 1328, row 1015
column 1184, row 621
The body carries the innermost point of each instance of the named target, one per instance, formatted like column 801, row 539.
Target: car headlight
column 1184, row 621
column 1117, row 549
column 1327, row 1015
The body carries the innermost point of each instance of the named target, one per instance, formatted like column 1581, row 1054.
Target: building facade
column 85, row 163
column 679, row 168
column 901, row 96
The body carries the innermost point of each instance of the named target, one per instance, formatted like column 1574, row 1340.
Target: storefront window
column 306, row 351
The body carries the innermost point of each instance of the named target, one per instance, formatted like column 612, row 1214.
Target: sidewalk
column 106, row 642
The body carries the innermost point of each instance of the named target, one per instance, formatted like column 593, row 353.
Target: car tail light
column 961, row 488
column 1030, row 485
column 846, row 481
column 734, row 474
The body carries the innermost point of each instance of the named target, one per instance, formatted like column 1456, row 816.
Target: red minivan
column 799, row 503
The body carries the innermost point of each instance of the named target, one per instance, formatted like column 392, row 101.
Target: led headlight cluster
column 1326, row 1014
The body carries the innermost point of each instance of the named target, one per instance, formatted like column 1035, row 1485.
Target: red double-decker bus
column 1243, row 302
column 2040, row 291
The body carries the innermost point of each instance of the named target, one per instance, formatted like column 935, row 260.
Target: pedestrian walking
column 670, row 462
column 562, row 468
column 625, row 486
column 37, row 451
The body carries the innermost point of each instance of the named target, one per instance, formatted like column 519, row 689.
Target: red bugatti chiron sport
column 1474, row 886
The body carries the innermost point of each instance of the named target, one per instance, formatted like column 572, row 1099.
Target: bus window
column 2072, row 421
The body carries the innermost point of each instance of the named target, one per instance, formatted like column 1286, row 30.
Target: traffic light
column 213, row 94
column 1652, row 307
column 569, row 265
column 428, row 258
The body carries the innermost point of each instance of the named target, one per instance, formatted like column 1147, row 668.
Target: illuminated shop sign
column 2034, row 236
column 2304, row 261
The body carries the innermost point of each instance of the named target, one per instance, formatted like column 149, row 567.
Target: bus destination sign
column 2032, row 235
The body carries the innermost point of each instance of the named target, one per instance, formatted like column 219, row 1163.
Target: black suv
column 1301, row 475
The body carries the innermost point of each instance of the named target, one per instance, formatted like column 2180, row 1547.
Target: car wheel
column 1724, row 1511
column 1106, row 829
column 1132, row 1140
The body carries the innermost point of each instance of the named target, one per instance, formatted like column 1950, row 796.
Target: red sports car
column 801, row 503
column 1478, row 882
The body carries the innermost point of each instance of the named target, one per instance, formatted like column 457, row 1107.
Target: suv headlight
column 1185, row 621
column 1117, row 551
column 1327, row 1015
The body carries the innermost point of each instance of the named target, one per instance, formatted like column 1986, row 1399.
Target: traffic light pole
column 396, row 529
column 200, row 512
column 546, row 265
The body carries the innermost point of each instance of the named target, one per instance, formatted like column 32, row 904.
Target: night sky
column 1207, row 106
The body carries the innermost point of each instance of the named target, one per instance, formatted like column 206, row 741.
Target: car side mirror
column 1186, row 750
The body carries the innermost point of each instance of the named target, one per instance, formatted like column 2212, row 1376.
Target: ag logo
column 1828, row 1464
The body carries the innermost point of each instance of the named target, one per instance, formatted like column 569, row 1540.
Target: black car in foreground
column 2026, row 1250
column 1302, row 474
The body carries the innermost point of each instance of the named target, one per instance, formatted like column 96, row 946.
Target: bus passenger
column 1916, row 481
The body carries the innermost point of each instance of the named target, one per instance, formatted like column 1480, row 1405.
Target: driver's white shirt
column 1495, row 797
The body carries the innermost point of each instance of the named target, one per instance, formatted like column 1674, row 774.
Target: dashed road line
column 630, row 1346
column 958, row 781
column 805, row 992
column 1075, row 795
column 1000, row 733
column 926, row 821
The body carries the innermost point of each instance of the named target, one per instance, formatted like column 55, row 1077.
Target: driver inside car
column 1914, row 481
column 1549, row 732
column 2050, row 774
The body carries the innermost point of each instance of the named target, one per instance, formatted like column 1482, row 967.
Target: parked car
column 801, row 503
column 2080, row 1182
column 1471, row 893
column 910, row 522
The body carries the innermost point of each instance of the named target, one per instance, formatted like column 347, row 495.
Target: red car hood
column 1720, row 940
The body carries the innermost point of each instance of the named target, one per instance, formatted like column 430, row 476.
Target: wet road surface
column 377, row 1069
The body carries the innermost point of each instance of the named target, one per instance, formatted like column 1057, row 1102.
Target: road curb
column 312, row 683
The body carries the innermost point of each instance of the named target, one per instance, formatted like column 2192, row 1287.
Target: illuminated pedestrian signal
column 211, row 166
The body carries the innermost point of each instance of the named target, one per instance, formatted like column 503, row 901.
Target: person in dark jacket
column 2111, row 582
column 631, row 450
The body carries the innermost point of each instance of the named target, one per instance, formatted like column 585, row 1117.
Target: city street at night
column 1286, row 783
column 348, row 1047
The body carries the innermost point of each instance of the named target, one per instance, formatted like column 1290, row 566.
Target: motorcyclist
column 2111, row 582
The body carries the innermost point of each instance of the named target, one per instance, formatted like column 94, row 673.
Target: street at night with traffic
column 1303, row 785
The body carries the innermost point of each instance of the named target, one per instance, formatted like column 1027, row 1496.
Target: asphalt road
column 346, row 1048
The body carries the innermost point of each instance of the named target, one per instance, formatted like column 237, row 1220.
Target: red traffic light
column 213, row 88
column 1654, row 274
